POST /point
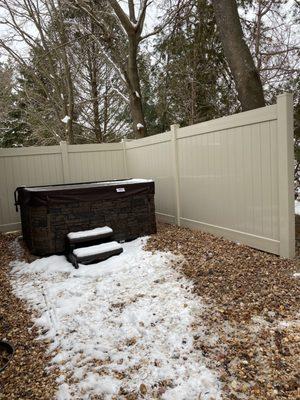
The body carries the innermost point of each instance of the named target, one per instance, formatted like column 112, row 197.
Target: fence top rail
column 75, row 148
column 86, row 148
column 149, row 140
column 263, row 114
column 28, row 151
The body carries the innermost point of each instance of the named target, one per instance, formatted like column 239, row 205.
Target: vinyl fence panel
column 49, row 165
column 232, row 176
column 151, row 157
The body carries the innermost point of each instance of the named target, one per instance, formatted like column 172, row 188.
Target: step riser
column 98, row 257
column 87, row 241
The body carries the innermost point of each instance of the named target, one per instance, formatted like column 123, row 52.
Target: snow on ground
column 297, row 207
column 125, row 325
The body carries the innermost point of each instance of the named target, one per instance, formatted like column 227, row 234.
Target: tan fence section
column 232, row 176
column 52, row 165
column 151, row 157
column 236, row 193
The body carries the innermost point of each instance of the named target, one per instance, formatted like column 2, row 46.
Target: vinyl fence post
column 286, row 175
column 65, row 161
column 125, row 158
column 175, row 171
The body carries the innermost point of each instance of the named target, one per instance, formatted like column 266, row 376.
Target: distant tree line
column 90, row 71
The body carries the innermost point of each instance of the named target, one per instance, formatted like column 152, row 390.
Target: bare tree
column 69, row 86
column 133, row 26
column 120, row 34
column 238, row 55
column 40, row 26
column 271, row 33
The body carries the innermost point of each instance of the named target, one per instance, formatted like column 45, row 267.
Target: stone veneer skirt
column 48, row 213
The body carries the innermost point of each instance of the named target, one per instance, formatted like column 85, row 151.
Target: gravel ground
column 252, row 315
column 25, row 378
column 253, row 301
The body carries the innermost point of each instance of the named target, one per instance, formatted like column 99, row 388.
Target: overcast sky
column 151, row 21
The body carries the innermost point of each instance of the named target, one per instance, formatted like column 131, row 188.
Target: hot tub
column 48, row 213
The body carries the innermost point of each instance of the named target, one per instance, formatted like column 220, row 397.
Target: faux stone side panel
column 128, row 217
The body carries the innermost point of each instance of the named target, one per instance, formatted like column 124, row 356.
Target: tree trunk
column 70, row 123
column 95, row 102
column 93, row 75
column 133, row 82
column 67, row 74
column 106, row 103
column 237, row 53
column 133, row 28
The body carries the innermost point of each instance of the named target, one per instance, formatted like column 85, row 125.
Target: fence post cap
column 285, row 94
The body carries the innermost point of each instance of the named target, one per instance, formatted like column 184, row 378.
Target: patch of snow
column 289, row 324
column 65, row 119
column 91, row 232
column 122, row 323
column 139, row 126
column 63, row 392
column 16, row 248
column 98, row 248
column 297, row 207
column 126, row 182
column 134, row 24
column 105, row 183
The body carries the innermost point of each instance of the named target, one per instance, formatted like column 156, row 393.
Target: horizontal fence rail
column 232, row 176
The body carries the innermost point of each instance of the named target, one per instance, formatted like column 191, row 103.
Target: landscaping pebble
column 253, row 300
column 251, row 337
column 26, row 376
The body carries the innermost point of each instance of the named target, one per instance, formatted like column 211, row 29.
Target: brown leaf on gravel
column 26, row 376
column 253, row 307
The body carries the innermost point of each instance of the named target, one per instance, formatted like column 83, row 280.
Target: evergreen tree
column 14, row 129
column 193, row 81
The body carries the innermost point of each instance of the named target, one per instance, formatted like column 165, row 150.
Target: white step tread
column 97, row 249
column 90, row 233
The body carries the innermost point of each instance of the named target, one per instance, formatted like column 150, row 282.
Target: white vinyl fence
column 231, row 176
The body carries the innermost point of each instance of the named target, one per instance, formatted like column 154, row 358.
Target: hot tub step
column 89, row 235
column 93, row 254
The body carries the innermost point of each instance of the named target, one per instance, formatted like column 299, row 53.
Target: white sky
column 152, row 20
